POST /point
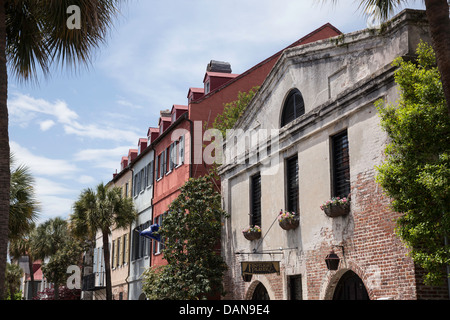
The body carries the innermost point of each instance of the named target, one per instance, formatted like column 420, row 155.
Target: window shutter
column 341, row 165
column 95, row 260
column 121, row 250
column 171, row 157
column 256, row 200
column 181, row 150
column 150, row 174
column 292, row 185
column 161, row 165
column 126, row 239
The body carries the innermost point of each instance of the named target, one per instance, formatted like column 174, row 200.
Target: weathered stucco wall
column 340, row 80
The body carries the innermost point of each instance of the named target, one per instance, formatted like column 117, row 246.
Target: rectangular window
column 255, row 201
column 340, row 165
column 292, row 197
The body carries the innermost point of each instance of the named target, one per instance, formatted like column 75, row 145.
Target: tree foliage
column 14, row 273
column 102, row 210
column 191, row 232
column 233, row 110
column 416, row 172
column 53, row 242
column 23, row 205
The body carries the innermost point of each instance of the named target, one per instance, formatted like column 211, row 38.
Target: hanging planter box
column 252, row 233
column 288, row 220
column 336, row 207
column 337, row 210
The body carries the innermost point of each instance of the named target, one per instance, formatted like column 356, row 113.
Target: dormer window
column 207, row 87
column 293, row 108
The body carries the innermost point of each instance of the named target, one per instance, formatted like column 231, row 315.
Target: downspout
column 191, row 129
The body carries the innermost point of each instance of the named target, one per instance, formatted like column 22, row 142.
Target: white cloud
column 24, row 109
column 103, row 158
column 46, row 125
column 85, row 179
column 43, row 166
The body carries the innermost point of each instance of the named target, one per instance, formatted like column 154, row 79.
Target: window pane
column 293, row 108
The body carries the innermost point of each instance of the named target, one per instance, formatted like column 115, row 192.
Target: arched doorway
column 350, row 287
column 260, row 293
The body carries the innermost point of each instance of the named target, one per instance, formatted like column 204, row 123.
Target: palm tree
column 101, row 210
column 33, row 35
column 437, row 12
column 23, row 212
column 51, row 237
column 13, row 275
column 19, row 247
column 24, row 207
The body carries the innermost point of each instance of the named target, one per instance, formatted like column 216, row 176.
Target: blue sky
column 72, row 129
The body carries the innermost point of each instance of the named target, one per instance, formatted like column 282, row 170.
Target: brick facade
column 340, row 82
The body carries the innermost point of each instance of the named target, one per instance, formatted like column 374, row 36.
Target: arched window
column 293, row 108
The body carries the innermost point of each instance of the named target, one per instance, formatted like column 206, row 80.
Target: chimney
column 218, row 66
column 165, row 113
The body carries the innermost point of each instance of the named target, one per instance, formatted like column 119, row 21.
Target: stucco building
column 312, row 133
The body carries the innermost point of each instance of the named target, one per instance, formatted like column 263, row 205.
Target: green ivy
column 233, row 111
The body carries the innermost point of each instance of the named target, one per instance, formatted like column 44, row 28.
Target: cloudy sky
column 71, row 130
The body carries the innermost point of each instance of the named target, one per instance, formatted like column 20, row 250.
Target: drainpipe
column 191, row 129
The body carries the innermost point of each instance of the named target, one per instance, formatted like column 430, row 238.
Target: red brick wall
column 370, row 248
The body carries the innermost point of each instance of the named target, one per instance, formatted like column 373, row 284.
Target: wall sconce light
column 332, row 260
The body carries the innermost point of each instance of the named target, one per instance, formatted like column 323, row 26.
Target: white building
column 319, row 137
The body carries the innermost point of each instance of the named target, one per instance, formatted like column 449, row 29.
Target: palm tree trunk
column 439, row 22
column 106, row 254
column 32, row 284
column 4, row 152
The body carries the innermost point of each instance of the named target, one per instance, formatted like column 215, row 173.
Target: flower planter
column 289, row 224
column 337, row 210
column 252, row 235
column 288, row 220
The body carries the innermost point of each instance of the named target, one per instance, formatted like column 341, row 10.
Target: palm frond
column 71, row 47
column 384, row 8
column 25, row 48
column 38, row 34
column 24, row 206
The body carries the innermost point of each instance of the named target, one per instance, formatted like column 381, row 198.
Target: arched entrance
column 260, row 293
column 350, row 287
